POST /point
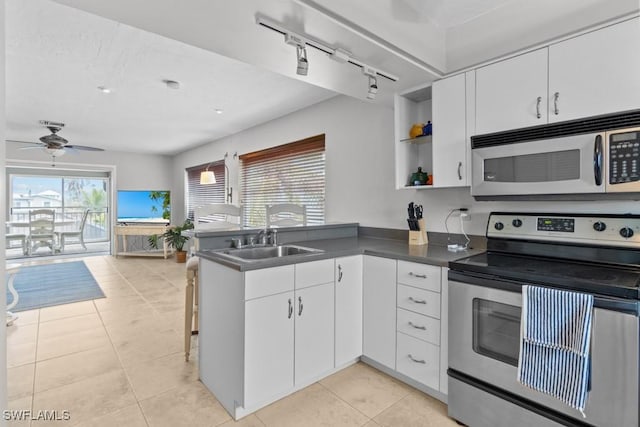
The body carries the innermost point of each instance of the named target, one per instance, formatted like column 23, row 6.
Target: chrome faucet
column 264, row 237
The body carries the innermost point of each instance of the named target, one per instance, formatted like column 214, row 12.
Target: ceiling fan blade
column 32, row 147
column 39, row 144
column 83, row 147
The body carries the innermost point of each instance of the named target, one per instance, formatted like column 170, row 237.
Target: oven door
column 484, row 334
column 573, row 164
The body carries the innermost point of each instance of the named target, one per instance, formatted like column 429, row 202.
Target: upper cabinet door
column 449, row 132
column 512, row 94
column 595, row 73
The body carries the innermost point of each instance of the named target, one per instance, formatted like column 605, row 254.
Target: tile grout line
column 343, row 400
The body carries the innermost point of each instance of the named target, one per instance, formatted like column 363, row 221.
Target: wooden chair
column 286, row 215
column 41, row 229
column 217, row 216
column 78, row 233
column 191, row 304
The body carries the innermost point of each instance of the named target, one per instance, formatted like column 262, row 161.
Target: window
column 290, row 173
column 204, row 194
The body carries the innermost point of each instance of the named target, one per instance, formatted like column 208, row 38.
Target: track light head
column 373, row 88
column 303, row 64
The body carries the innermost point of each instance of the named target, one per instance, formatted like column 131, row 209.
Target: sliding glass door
column 69, row 196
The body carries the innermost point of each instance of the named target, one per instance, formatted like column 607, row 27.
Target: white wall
column 360, row 170
column 3, row 288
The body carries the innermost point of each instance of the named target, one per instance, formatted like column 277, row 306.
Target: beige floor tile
column 131, row 416
column 20, row 381
column 146, row 346
column 28, row 317
column 248, row 421
column 416, row 410
column 61, row 345
column 87, row 399
column 66, row 310
column 21, row 353
column 18, row 333
column 189, row 405
column 371, row 424
column 156, row 376
column 366, row 389
column 312, row 406
column 120, row 317
column 18, row 419
column 75, row 367
column 69, row 325
column 120, row 301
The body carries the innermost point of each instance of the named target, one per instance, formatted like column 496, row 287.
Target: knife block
column 417, row 238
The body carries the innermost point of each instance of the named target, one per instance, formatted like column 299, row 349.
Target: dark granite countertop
column 333, row 248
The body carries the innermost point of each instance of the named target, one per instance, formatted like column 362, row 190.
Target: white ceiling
column 58, row 55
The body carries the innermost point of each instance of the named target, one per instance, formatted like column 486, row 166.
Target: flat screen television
column 143, row 207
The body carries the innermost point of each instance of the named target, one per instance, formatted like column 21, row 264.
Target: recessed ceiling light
column 219, row 111
column 104, row 89
column 172, row 84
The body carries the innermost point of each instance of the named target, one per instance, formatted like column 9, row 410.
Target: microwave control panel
column 624, row 157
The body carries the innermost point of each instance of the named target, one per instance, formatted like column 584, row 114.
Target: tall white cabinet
column 379, row 298
column 348, row 302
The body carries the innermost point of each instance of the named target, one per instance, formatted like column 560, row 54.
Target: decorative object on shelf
column 416, row 130
column 427, row 129
column 419, row 177
column 175, row 239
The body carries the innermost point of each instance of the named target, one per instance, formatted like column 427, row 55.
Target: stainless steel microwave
column 585, row 163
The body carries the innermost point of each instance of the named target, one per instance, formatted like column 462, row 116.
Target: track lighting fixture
column 373, row 88
column 301, row 42
column 303, row 64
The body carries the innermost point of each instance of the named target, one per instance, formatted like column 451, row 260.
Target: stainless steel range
column 596, row 254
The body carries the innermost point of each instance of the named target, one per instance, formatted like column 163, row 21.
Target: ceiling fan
column 53, row 144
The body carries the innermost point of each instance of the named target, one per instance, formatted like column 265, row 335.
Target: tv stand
column 140, row 230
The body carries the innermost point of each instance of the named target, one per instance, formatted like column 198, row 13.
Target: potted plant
column 174, row 238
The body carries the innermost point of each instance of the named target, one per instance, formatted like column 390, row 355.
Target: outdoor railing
column 95, row 229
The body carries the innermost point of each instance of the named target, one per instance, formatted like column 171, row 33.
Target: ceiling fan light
column 207, row 177
column 55, row 152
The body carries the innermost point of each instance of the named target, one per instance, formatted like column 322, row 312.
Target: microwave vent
column 574, row 127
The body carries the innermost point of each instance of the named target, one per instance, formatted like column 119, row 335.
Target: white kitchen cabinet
column 269, row 357
column 348, row 303
column 451, row 147
column 314, row 346
column 444, row 332
column 379, row 304
column 512, row 93
column 595, row 73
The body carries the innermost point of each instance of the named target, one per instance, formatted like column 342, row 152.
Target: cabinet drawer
column 418, row 360
column 418, row 326
column 419, row 275
column 314, row 273
column 268, row 281
column 419, row 300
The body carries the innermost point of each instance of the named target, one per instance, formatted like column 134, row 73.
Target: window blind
column 289, row 173
column 204, row 194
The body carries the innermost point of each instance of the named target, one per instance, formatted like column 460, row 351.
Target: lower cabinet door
column 419, row 360
column 269, row 326
column 314, row 332
column 348, row 309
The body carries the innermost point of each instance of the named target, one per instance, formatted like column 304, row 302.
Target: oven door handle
column 629, row 306
column 597, row 160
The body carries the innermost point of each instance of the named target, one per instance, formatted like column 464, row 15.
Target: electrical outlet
column 466, row 216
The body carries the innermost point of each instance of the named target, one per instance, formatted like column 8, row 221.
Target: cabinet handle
column 424, row 362
column 460, row 171
column 300, row 306
column 421, row 276
column 424, row 328
column 290, row 309
column 418, row 301
column 339, row 272
column 556, row 95
column 539, row 101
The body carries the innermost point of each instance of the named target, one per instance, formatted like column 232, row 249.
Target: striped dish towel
column 555, row 337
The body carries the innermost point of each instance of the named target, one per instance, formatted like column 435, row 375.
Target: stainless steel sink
column 267, row 252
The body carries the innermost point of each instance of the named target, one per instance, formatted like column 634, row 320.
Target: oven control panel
column 607, row 230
